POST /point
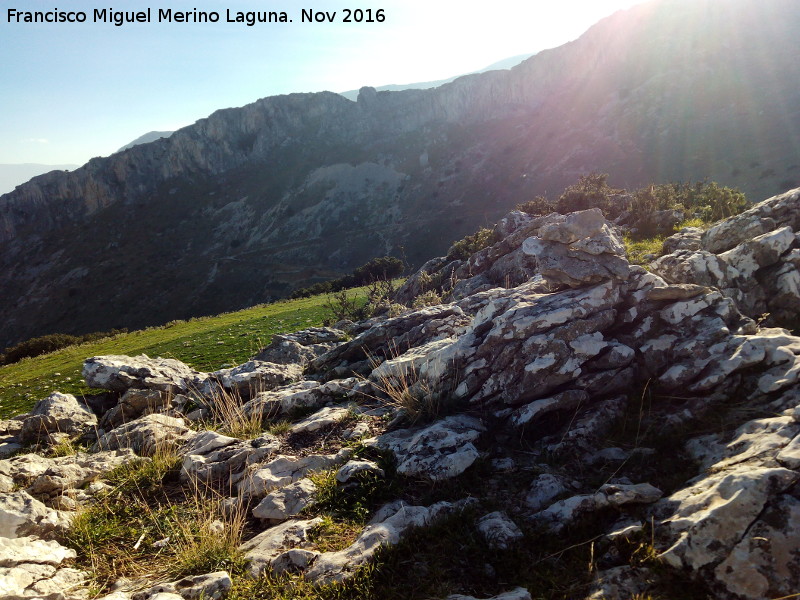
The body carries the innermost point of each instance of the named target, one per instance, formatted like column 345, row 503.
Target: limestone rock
column 58, row 413
column 499, row 531
column 765, row 562
column 21, row 550
column 212, row 457
column 145, row 435
column 325, row 417
column 358, row 468
column 72, row 472
column 566, row 511
column 23, row 515
column 211, row 586
column 119, row 373
column 544, row 489
column 260, row 551
column 133, row 404
column 707, row 519
column 283, row 470
column 250, row 378
column 286, row 502
column 386, row 529
column 301, row 347
column 439, row 451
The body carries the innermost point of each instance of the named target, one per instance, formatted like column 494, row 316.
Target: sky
column 72, row 91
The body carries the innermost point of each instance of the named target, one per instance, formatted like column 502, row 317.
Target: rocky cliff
column 248, row 204
column 585, row 430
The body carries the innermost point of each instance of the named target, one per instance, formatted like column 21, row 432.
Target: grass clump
column 149, row 523
column 640, row 252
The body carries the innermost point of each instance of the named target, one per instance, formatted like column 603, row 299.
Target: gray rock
column 119, row 373
column 499, row 531
column 23, row 515
column 519, row 593
column 386, row 529
column 72, row 472
column 566, row 511
column 211, row 586
column 286, row 502
column 301, row 347
column 146, row 435
column 439, row 451
column 250, row 378
column 325, row 417
column 283, row 470
column 544, row 489
column 21, row 550
column 357, row 468
column 58, row 413
column 133, row 404
column 268, row 545
column 212, row 457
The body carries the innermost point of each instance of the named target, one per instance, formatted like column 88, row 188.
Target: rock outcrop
column 592, row 400
column 753, row 258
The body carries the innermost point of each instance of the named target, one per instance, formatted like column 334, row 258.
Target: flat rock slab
column 439, row 451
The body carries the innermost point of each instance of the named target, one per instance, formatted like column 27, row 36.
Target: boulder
column 211, row 457
column 499, row 531
column 439, row 451
column 250, row 378
column 146, row 435
column 269, row 545
column 58, row 413
column 387, row 528
column 283, row 470
column 286, row 502
column 120, row 373
column 211, row 586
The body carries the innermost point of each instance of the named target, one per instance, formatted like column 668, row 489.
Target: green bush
column 50, row 343
column 466, row 247
column 704, row 202
column 591, row 191
column 383, row 268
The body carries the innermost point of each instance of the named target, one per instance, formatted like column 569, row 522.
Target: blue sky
column 69, row 92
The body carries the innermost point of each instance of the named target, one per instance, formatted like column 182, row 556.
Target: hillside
column 586, row 430
column 250, row 203
column 13, row 175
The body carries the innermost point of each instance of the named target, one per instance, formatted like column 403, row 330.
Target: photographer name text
column 119, row 18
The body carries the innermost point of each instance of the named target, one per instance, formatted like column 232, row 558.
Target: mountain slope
column 424, row 85
column 151, row 136
column 249, row 203
column 12, row 175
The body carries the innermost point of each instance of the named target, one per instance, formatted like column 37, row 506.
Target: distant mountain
column 147, row 138
column 506, row 63
column 16, row 174
column 250, row 203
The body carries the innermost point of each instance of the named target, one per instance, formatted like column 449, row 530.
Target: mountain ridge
column 250, row 203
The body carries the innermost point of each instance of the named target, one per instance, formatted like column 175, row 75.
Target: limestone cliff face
column 252, row 202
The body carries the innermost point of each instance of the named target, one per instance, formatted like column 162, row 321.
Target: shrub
column 383, row 268
column 541, row 205
column 591, row 191
column 466, row 247
column 50, row 343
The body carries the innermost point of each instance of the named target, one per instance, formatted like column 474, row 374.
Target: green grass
column 205, row 343
column 638, row 249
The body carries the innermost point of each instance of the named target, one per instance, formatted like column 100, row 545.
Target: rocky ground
column 566, row 426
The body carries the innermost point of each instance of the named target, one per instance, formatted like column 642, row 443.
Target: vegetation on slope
column 205, row 343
